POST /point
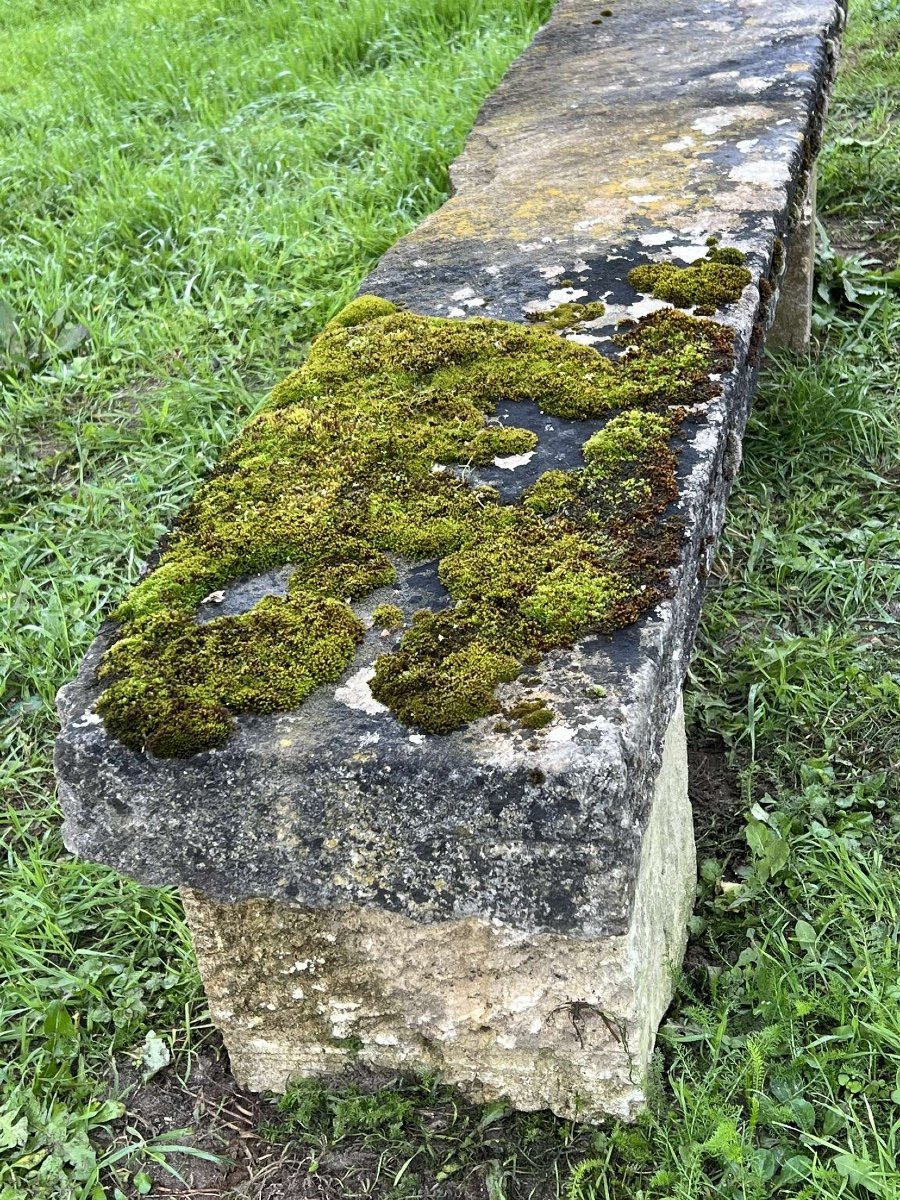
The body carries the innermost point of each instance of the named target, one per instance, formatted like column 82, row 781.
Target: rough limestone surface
column 546, row 1019
column 607, row 145
column 792, row 325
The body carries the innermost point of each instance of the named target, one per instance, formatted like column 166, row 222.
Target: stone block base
column 792, row 324
column 544, row 1020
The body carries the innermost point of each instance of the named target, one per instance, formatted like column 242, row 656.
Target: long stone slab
column 613, row 142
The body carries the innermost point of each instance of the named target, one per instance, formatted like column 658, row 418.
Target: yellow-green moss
column 362, row 309
column 176, row 683
column 568, row 316
column 777, row 256
column 387, row 616
column 533, row 714
column 726, row 254
column 717, row 279
column 350, row 462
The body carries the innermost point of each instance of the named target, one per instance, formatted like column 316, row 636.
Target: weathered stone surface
column 547, row 1020
column 792, row 325
column 607, row 145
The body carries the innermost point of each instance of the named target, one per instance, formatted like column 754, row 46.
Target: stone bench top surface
column 607, row 145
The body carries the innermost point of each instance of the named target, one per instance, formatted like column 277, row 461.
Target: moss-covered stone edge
column 704, row 285
column 350, row 464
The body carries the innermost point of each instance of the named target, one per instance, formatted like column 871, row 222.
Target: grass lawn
column 200, row 184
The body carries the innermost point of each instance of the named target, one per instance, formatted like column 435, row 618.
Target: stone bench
column 399, row 706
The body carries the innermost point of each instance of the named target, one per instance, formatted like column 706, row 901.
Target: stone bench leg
column 793, row 313
column 299, row 991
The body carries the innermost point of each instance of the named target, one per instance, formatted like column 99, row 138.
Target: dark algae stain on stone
column 360, row 457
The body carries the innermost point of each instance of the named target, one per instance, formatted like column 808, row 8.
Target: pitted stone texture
column 545, row 1020
column 605, row 145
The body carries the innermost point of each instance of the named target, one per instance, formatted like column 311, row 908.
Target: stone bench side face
column 431, row 880
column 542, row 1019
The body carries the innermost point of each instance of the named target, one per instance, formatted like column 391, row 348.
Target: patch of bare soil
column 718, row 821
column 211, row 1113
column 715, row 797
column 872, row 238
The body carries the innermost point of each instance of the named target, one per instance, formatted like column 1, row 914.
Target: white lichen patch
column 585, row 339
column 767, row 172
column 465, row 297
column 303, row 964
column 644, row 307
column 511, row 461
column 565, row 295
column 715, row 121
column 555, row 298
column 683, row 143
column 717, row 26
column 356, row 693
column 657, row 239
column 746, row 145
column 690, row 254
column 616, row 313
column 753, row 84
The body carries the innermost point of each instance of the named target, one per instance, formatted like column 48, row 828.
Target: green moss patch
column 387, row 616
column 178, row 683
column 717, row 279
column 569, row 316
column 532, row 714
column 351, row 461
